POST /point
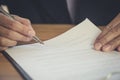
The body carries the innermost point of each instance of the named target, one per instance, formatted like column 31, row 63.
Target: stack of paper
column 69, row 56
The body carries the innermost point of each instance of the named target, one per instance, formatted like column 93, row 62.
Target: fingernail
column 98, row 46
column 106, row 48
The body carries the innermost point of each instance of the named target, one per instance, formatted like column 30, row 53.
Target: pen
column 7, row 14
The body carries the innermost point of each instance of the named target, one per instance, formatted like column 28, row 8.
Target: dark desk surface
column 45, row 32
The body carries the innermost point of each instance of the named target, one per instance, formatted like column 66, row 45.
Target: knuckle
column 10, row 33
column 25, row 30
column 27, row 20
column 103, row 41
column 13, row 24
column 113, row 31
column 116, row 29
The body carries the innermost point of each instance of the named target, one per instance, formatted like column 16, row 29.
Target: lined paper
column 69, row 56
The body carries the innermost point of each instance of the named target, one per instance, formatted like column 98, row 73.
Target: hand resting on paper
column 109, row 39
column 12, row 31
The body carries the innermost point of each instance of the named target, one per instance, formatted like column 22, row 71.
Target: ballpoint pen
column 9, row 15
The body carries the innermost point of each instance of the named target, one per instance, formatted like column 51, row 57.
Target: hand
column 12, row 31
column 109, row 39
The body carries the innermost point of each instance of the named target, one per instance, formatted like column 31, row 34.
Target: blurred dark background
column 100, row 12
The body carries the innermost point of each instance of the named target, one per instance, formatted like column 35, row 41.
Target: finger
column 13, row 35
column 15, row 25
column 3, row 48
column 5, row 42
column 105, row 30
column 110, row 26
column 113, row 33
column 112, row 45
column 24, row 21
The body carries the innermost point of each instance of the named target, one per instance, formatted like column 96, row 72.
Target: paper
column 69, row 56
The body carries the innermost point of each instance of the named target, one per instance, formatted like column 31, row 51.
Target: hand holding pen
column 14, row 29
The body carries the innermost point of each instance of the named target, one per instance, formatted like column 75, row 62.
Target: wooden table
column 45, row 32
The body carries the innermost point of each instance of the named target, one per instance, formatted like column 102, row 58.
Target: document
column 69, row 56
